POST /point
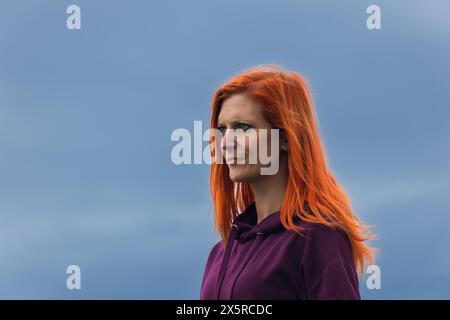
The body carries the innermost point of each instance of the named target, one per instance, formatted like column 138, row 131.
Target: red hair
column 288, row 106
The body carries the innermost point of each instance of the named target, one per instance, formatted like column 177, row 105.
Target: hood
column 247, row 227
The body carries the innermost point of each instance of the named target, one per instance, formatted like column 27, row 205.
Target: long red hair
column 288, row 106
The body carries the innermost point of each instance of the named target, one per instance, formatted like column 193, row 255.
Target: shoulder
column 214, row 256
column 326, row 262
column 322, row 245
column 217, row 246
column 330, row 241
column 216, row 250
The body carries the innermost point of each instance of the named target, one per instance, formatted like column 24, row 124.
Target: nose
column 228, row 142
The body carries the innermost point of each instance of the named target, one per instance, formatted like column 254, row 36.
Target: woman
column 296, row 237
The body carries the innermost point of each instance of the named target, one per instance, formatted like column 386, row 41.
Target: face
column 241, row 154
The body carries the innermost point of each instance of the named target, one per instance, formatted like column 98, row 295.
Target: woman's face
column 239, row 111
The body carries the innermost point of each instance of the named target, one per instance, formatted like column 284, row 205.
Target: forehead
column 240, row 107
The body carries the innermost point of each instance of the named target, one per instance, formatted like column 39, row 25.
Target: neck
column 269, row 192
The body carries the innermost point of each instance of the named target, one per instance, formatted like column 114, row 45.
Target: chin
column 240, row 174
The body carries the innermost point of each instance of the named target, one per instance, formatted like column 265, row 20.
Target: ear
column 284, row 145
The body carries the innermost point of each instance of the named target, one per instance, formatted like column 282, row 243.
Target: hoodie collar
column 247, row 227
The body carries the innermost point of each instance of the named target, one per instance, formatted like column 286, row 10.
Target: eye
column 243, row 126
column 222, row 130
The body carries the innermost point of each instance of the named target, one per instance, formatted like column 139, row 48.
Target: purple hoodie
column 265, row 261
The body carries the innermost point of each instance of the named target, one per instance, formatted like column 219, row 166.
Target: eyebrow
column 233, row 122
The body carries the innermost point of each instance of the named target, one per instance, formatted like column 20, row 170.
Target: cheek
column 270, row 143
column 252, row 146
column 269, row 146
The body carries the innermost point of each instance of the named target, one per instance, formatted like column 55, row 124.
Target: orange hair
column 288, row 106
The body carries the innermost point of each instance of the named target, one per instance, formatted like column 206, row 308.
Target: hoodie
column 265, row 261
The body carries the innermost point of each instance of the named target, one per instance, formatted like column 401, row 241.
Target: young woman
column 288, row 235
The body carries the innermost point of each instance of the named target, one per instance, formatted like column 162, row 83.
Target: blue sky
column 86, row 118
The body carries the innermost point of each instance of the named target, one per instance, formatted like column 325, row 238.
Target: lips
column 234, row 160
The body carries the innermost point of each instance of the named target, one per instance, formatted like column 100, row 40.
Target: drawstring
column 250, row 255
column 226, row 256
